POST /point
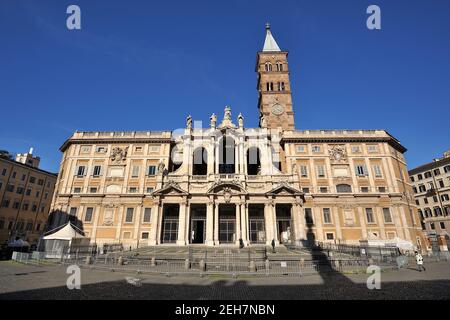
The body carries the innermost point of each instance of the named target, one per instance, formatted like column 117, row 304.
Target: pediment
column 227, row 187
column 285, row 189
column 170, row 189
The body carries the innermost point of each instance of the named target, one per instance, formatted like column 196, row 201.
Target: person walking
column 419, row 261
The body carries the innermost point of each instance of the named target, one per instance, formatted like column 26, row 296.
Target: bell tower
column 274, row 87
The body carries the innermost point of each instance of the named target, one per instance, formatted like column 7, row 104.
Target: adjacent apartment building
column 431, row 186
column 25, row 197
column 227, row 184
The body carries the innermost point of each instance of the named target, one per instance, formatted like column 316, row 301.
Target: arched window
column 253, row 161
column 226, row 155
column 269, row 86
column 200, row 162
column 279, row 66
column 343, row 188
column 268, row 66
column 420, row 214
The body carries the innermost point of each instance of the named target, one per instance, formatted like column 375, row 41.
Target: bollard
column 187, row 264
column 153, row 262
column 252, row 266
column 202, row 265
column 88, row 260
column 120, row 261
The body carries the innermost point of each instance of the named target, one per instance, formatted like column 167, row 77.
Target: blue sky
column 145, row 65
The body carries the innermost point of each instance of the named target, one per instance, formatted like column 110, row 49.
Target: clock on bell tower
column 275, row 100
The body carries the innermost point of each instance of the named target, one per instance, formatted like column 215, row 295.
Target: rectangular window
column 330, row 236
column 19, row 190
column 387, row 215
column 320, row 172
column 309, row 216
column 80, row 171
column 372, row 148
column 40, row 182
column 10, row 188
column 14, row 174
column 5, row 203
column 323, row 189
column 432, row 225
column 316, row 149
column 133, row 190
column 425, row 200
column 73, row 212
column 85, row 149
column 4, row 172
column 101, row 149
column 147, row 215
column 442, row 225
column 97, row 171
column 445, row 197
column 129, row 215
column 361, row 170
column 135, row 172
column 411, row 178
column 37, row 194
column 77, row 190
column 151, row 170
column 305, row 190
column 88, row 214
column 138, row 149
column 377, row 170
column 437, row 172
column 25, row 206
column 356, row 149
column 300, row 148
column 441, row 183
column 382, row 189
column 369, row 215
column 34, row 207
column 304, row 171
column 29, row 226
column 16, row 205
column 92, row 190
column 150, row 189
column 144, row 235
column 326, row 215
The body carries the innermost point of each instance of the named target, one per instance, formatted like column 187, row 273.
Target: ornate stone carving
column 240, row 121
column 226, row 121
column 338, row 154
column 161, row 167
column 118, row 155
column 213, row 121
column 227, row 194
column 189, row 122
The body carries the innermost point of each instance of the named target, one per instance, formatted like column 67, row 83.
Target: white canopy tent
column 67, row 236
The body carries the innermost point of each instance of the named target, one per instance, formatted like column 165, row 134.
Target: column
column 154, row 225
column 268, row 223
column 299, row 223
column 237, row 209
column 216, row 224
column 244, row 223
column 119, row 224
column 362, row 221
column 337, row 222
column 210, row 159
column 210, row 224
column 187, row 233
column 182, row 224
column 137, row 223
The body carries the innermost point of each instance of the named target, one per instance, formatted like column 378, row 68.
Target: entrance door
column 284, row 230
column 227, row 223
column 257, row 231
column 198, row 231
column 169, row 231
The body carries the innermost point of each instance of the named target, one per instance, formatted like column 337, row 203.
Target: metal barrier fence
column 228, row 264
column 382, row 254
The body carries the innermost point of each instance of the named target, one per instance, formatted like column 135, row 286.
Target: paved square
column 18, row 281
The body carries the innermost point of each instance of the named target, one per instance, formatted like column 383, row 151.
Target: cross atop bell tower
column 274, row 87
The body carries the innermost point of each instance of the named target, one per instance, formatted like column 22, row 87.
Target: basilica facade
column 226, row 184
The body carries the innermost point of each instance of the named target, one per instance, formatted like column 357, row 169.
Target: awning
column 68, row 232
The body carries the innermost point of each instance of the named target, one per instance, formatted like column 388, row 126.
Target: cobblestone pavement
column 18, row 281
